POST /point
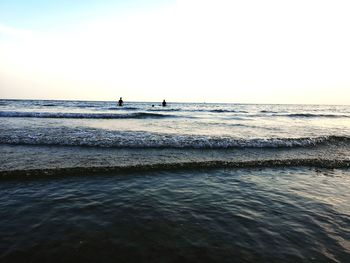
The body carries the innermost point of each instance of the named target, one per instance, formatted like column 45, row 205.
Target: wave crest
column 68, row 115
column 312, row 115
column 139, row 139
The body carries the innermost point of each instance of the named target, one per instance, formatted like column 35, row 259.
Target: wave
column 136, row 115
column 90, row 137
column 163, row 109
column 199, row 110
column 85, row 106
column 267, row 111
column 123, row 108
column 224, row 110
column 175, row 166
column 312, row 115
column 58, row 104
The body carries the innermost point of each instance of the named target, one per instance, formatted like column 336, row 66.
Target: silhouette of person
column 120, row 102
column 163, row 103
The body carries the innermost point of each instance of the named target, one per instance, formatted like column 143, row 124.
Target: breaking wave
column 67, row 115
column 139, row 139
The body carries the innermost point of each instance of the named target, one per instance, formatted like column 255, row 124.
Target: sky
column 251, row 51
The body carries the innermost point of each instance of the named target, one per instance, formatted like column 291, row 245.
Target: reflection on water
column 256, row 215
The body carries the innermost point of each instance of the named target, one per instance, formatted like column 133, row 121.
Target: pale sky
column 249, row 51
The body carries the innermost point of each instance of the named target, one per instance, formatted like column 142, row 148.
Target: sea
column 89, row 181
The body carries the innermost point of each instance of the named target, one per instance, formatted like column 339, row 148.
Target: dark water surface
column 219, row 215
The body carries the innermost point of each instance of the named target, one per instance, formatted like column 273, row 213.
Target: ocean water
column 190, row 182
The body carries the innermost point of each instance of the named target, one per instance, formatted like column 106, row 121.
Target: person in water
column 163, row 103
column 120, row 102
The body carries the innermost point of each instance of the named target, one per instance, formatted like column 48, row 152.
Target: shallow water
column 52, row 134
column 221, row 215
column 93, row 182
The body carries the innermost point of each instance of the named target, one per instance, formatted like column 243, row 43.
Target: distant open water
column 201, row 182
